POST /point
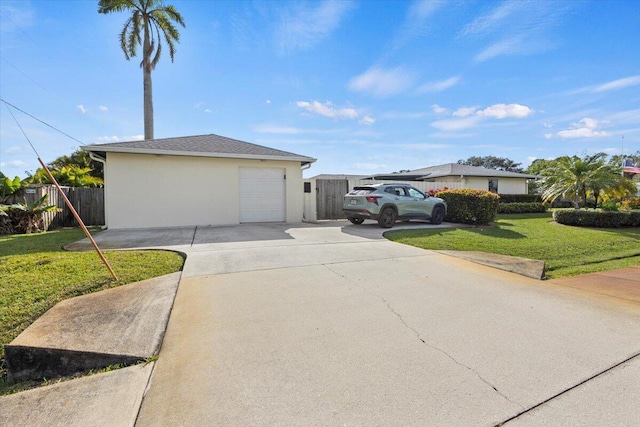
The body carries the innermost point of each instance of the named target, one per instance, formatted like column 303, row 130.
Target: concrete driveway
column 334, row 325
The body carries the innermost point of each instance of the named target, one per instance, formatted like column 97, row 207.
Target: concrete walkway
column 332, row 324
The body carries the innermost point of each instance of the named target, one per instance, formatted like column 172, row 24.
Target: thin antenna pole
column 67, row 202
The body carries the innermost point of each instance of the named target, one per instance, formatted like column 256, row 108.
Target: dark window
column 493, row 185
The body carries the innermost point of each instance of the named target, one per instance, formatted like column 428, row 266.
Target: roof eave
column 124, row 150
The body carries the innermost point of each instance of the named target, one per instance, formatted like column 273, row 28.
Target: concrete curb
column 119, row 325
column 523, row 266
column 108, row 399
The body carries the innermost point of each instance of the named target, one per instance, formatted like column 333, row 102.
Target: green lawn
column 567, row 251
column 35, row 274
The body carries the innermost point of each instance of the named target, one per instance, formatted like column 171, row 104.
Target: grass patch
column 36, row 273
column 567, row 251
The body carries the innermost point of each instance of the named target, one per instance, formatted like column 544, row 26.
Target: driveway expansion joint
column 567, row 390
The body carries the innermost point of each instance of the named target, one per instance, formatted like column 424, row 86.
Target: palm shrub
column 469, row 206
column 25, row 218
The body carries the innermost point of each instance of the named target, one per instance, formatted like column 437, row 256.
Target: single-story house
column 497, row 181
column 199, row 180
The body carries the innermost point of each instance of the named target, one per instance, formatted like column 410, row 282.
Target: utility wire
column 41, row 121
column 22, row 130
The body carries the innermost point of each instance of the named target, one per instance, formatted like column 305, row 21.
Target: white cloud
column 14, row 164
column 468, row 117
column 15, row 149
column 612, row 85
column 208, row 110
column 439, row 110
column 309, row 24
column 619, row 84
column 464, row 111
column 107, row 139
column 328, row 110
column 503, row 47
column 439, row 86
column 416, row 21
column 502, row 111
column 268, row 102
column 103, row 108
column 110, row 139
column 456, row 124
column 517, row 27
column 585, row 128
column 367, row 120
column 382, row 83
column 81, row 108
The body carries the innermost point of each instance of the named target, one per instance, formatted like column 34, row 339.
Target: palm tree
column 576, row 178
column 150, row 21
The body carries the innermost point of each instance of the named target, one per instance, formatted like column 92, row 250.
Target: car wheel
column 387, row 218
column 437, row 215
column 356, row 221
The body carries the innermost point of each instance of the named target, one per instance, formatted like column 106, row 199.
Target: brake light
column 373, row 199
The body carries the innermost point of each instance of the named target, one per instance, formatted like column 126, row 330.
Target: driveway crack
column 419, row 336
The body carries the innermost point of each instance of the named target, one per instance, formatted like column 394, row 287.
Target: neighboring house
column 199, row 180
column 480, row 178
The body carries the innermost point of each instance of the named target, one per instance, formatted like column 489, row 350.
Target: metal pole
column 77, row 217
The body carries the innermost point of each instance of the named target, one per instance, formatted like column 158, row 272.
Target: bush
column 600, row 219
column 632, row 203
column 510, row 208
column 609, row 206
column 470, row 206
column 520, row 198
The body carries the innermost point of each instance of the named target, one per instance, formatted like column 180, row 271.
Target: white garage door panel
column 262, row 195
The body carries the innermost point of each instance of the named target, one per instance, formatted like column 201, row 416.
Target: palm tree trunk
column 148, row 103
column 147, row 88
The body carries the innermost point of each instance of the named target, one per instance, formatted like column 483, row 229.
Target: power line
column 41, row 121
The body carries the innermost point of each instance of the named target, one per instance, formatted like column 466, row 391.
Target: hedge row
column 600, row 219
column 520, row 198
column 512, row 208
column 470, row 206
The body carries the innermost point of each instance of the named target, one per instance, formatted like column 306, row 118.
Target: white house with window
column 496, row 181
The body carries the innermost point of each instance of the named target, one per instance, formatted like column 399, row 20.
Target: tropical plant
column 149, row 22
column 10, row 187
column 81, row 159
column 71, row 176
column 577, row 178
column 27, row 218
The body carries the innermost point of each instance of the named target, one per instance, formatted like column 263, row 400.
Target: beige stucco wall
column 505, row 185
column 143, row 190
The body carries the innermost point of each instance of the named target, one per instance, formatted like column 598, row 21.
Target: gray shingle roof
column 450, row 169
column 201, row 146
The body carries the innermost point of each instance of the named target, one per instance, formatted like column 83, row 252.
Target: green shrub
column 510, row 208
column 632, row 203
column 520, row 198
column 609, row 206
column 470, row 206
column 601, row 219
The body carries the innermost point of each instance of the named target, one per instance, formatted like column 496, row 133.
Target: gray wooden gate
column 329, row 194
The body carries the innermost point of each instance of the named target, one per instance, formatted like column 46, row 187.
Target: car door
column 399, row 197
column 419, row 205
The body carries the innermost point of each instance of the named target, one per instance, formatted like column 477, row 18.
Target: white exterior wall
column 144, row 190
column 505, row 185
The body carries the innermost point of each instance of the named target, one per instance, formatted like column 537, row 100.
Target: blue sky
column 363, row 86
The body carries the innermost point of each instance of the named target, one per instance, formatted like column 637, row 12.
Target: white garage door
column 262, row 195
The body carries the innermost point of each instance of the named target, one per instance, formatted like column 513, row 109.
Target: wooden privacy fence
column 88, row 202
column 330, row 192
